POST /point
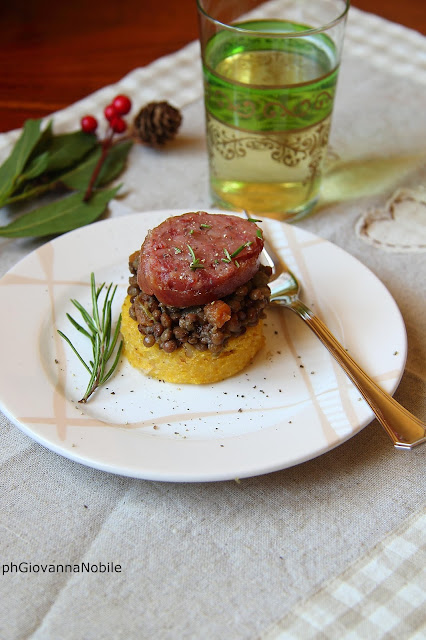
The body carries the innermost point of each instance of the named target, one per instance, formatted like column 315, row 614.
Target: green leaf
column 79, row 177
column 59, row 216
column 37, row 166
column 51, row 154
column 114, row 162
column 56, row 153
column 30, row 192
column 45, row 138
column 43, row 142
column 34, row 165
column 15, row 163
column 67, row 149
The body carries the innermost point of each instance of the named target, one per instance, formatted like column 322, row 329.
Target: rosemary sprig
column 99, row 332
column 241, row 248
column 195, row 262
column 229, row 256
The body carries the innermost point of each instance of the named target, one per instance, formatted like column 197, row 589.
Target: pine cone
column 156, row 123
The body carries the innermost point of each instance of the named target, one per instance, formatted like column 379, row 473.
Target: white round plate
column 291, row 404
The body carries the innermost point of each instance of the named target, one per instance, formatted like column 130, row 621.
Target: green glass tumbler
column 270, row 71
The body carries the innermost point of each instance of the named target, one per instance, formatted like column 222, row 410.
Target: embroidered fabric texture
column 400, row 225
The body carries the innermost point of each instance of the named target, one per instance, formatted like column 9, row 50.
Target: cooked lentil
column 174, row 327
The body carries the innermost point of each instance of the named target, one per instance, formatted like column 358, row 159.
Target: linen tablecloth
column 332, row 548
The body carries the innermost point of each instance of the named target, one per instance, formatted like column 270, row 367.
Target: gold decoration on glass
column 250, row 167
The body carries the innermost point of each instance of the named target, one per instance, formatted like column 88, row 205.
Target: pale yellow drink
column 268, row 113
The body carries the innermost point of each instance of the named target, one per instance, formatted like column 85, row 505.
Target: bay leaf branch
column 60, row 216
column 78, row 176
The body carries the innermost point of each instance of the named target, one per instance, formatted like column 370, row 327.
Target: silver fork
column 405, row 430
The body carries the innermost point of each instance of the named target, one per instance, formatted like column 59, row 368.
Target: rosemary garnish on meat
column 229, row 256
column 100, row 333
column 195, row 262
column 237, row 251
column 259, row 233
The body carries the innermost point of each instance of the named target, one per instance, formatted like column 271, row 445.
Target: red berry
column 89, row 124
column 118, row 125
column 122, row 104
column 110, row 112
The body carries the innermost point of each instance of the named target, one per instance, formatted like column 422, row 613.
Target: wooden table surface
column 52, row 54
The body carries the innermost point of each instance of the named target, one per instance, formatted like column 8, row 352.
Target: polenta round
column 201, row 367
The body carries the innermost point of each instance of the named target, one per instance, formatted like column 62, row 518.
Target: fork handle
column 405, row 430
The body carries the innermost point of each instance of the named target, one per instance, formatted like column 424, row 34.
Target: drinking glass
column 270, row 71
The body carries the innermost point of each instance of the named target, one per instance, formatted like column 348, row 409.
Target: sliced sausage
column 198, row 257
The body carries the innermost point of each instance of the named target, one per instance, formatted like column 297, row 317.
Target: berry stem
column 106, row 144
